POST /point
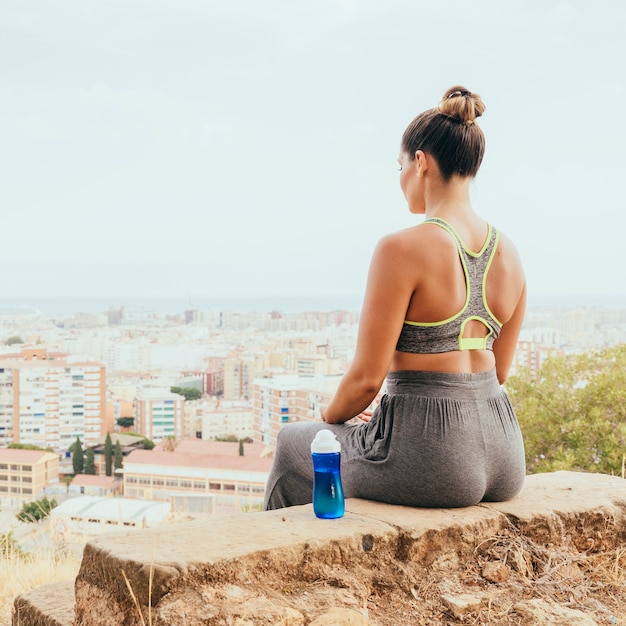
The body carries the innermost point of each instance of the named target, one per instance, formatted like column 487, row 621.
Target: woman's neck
column 450, row 199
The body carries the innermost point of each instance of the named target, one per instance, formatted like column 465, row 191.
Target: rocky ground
column 509, row 581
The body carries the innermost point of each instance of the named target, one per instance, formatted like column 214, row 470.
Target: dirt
column 505, row 573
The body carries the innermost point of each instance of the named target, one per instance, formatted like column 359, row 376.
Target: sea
column 175, row 305
column 169, row 305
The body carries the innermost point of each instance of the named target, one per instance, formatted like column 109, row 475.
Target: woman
column 443, row 309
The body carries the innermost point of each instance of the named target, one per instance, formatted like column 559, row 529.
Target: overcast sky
column 246, row 148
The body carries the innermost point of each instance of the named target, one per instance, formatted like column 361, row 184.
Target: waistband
column 476, row 385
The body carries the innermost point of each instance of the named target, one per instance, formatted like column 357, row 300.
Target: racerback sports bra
column 447, row 335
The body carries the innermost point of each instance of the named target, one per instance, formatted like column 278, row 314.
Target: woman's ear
column 421, row 162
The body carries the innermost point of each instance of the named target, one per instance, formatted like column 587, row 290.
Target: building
column 24, row 475
column 213, row 382
column 227, row 419
column 128, row 443
column 284, row 399
column 531, row 355
column 239, row 373
column 86, row 484
column 49, row 400
column 200, row 475
column 159, row 414
column 92, row 515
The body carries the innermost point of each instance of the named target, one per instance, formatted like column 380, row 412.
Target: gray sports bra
column 447, row 335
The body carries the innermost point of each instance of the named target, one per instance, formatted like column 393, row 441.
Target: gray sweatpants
column 437, row 439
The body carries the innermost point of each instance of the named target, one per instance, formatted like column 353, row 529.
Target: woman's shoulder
column 507, row 247
column 419, row 240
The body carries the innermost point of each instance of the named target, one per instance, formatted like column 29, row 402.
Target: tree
column 108, row 455
column 90, row 462
column 189, row 393
column 37, row 510
column 573, row 411
column 29, row 446
column 78, row 459
column 13, row 340
column 241, row 447
column 125, row 422
column 118, row 455
column 148, row 444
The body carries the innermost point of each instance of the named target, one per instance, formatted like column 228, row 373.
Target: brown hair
column 449, row 133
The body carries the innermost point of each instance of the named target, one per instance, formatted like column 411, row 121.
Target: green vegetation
column 13, row 340
column 118, row 455
column 90, row 462
column 189, row 393
column 125, row 422
column 108, row 455
column 9, row 546
column 148, row 444
column 36, row 510
column 78, row 458
column 573, row 412
column 28, row 446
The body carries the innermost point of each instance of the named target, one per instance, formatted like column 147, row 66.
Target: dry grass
column 21, row 572
column 591, row 582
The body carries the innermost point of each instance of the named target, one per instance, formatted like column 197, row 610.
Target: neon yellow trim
column 493, row 254
column 457, row 239
column 474, row 343
column 452, row 230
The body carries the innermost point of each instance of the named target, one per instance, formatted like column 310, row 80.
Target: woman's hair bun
column 462, row 105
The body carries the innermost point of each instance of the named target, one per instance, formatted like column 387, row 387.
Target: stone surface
column 341, row 617
column 462, row 604
column 49, row 605
column 541, row 613
column 495, row 572
column 288, row 567
column 555, row 506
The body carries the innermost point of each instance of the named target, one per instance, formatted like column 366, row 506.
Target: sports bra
column 447, row 335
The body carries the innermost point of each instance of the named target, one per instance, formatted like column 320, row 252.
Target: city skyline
column 216, row 150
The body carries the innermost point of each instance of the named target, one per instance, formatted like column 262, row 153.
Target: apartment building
column 284, row 399
column 159, row 414
column 223, row 419
column 49, row 399
column 240, row 370
column 24, row 474
column 531, row 355
column 206, row 475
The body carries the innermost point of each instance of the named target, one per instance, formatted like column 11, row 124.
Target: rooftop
column 17, row 455
column 89, row 480
column 205, row 454
column 114, row 509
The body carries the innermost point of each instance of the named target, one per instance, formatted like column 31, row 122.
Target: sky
column 238, row 148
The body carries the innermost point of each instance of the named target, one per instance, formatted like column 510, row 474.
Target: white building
column 223, row 419
column 49, row 401
column 159, row 414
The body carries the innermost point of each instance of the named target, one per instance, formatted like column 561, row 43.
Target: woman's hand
column 365, row 416
column 323, row 408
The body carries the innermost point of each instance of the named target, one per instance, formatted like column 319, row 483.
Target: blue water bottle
column 328, row 500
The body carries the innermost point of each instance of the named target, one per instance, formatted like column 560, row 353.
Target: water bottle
column 328, row 500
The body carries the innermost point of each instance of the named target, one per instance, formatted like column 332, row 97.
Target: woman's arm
column 387, row 297
column 504, row 346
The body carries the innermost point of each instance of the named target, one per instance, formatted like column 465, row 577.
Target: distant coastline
column 173, row 305
column 69, row 305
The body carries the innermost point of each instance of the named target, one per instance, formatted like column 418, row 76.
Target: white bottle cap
column 325, row 441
